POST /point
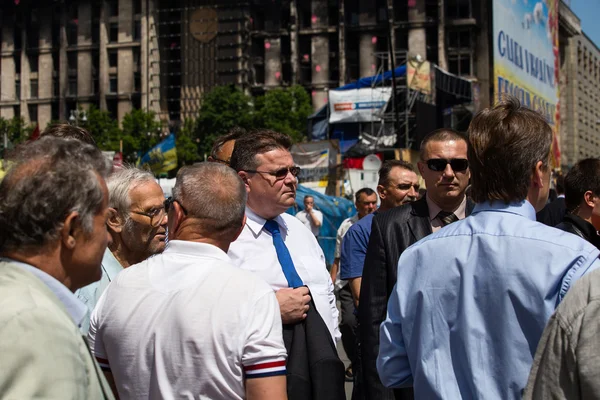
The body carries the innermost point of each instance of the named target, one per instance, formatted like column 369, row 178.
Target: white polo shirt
column 187, row 324
column 307, row 221
column 254, row 251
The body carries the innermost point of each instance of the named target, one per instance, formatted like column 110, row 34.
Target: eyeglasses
column 169, row 202
column 439, row 164
column 280, row 173
column 156, row 215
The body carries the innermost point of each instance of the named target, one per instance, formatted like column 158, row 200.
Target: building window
column 460, row 50
column 137, row 82
column 33, row 112
column 137, row 7
column 33, row 86
column 17, row 90
column 137, row 29
column 112, row 8
column 113, row 35
column 113, row 59
column 136, row 58
column 72, row 63
column 458, row 8
column 72, row 33
column 72, row 89
column 55, row 87
column 113, row 84
column 33, row 62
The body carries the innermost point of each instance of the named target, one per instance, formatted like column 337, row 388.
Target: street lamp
column 77, row 117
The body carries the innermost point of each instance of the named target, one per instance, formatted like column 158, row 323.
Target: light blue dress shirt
column 472, row 300
column 91, row 293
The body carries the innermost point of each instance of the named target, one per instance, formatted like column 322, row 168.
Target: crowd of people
column 109, row 290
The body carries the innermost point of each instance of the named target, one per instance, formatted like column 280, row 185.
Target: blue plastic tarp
column 369, row 81
column 334, row 209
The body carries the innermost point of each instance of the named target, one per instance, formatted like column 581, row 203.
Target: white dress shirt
column 254, row 251
column 187, row 324
column 308, row 222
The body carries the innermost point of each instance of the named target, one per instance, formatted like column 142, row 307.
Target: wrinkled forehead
column 146, row 194
column 451, row 148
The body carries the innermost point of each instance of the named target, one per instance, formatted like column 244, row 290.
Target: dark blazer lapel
column 419, row 223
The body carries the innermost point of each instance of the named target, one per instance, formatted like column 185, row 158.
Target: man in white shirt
column 311, row 218
column 188, row 323
column 265, row 164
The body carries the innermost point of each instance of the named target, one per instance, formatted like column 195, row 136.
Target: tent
column 334, row 209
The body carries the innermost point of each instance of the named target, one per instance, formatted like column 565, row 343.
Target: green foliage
column 103, row 128
column 285, row 111
column 222, row 109
column 16, row 131
column 141, row 132
column 187, row 150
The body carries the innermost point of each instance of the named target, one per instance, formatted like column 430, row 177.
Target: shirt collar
column 434, row 209
column 522, row 208
column 191, row 249
column 75, row 308
column 111, row 265
column 256, row 222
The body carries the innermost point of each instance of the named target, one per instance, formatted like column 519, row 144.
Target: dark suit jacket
column 314, row 370
column 391, row 233
column 552, row 214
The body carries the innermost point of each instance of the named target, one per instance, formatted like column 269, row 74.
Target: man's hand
column 293, row 304
column 309, row 208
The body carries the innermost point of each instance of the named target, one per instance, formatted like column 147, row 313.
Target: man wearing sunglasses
column 276, row 245
column 471, row 300
column 445, row 170
column 137, row 225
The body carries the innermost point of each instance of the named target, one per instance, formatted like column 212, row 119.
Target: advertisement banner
column 526, row 63
column 357, row 105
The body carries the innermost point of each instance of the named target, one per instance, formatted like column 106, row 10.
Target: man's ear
column 421, row 166
column 381, row 191
column 115, row 221
column 69, row 233
column 537, row 178
column 246, row 178
column 588, row 198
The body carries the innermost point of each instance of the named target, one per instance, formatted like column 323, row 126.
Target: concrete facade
column 64, row 55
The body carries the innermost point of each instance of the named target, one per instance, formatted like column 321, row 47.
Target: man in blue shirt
column 472, row 299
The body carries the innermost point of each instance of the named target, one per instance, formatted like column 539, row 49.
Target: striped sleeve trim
column 103, row 363
column 265, row 369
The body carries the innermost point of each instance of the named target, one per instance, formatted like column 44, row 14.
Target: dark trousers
column 348, row 323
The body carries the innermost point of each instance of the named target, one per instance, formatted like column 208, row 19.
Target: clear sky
column 588, row 12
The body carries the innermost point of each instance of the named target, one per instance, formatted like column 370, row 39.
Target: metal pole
column 390, row 19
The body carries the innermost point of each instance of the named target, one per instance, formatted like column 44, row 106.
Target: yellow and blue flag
column 162, row 157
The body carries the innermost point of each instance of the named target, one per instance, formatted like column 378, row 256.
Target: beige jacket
column 42, row 352
column 567, row 361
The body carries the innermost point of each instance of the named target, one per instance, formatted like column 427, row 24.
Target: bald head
column 215, row 196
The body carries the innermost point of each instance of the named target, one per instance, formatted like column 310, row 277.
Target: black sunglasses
column 439, row 164
column 280, row 173
column 169, row 202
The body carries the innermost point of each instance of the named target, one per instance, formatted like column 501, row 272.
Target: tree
column 222, row 109
column 141, row 132
column 16, row 131
column 103, row 128
column 187, row 150
column 285, row 110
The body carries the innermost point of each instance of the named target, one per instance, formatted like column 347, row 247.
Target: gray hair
column 213, row 193
column 121, row 183
column 49, row 179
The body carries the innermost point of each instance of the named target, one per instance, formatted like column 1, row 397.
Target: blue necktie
column 283, row 255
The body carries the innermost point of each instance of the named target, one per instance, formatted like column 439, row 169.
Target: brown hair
column 504, row 145
column 257, row 142
column 386, row 168
column 67, row 131
column 440, row 135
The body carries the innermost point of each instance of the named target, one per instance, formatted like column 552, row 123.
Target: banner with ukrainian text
column 162, row 157
column 526, row 63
